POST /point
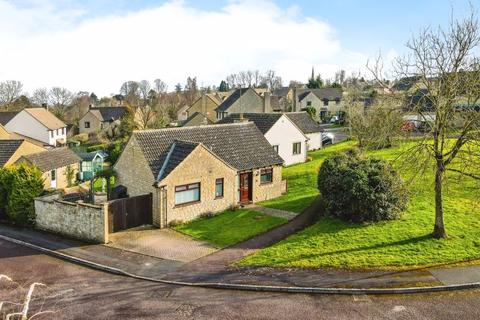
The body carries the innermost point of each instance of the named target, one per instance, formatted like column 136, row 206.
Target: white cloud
column 46, row 46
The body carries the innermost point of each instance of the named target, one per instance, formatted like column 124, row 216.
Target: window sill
column 186, row 204
column 266, row 183
column 217, row 198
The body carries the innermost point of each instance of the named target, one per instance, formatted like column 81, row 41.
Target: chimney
column 267, row 107
column 204, row 104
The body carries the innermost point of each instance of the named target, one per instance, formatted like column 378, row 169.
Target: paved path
column 161, row 243
column 273, row 212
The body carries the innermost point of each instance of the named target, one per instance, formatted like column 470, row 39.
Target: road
column 98, row 295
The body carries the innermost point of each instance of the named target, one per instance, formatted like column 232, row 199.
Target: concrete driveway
column 161, row 243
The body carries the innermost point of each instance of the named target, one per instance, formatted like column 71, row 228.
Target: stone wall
column 75, row 220
column 262, row 192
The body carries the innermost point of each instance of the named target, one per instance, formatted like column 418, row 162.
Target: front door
column 53, row 180
column 245, row 187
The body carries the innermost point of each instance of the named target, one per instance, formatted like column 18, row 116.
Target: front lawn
column 302, row 180
column 399, row 244
column 230, row 227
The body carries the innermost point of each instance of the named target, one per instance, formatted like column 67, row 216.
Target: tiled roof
column 6, row 116
column 7, row 149
column 228, row 102
column 281, row 92
column 329, row 94
column 196, row 119
column 304, row 122
column 179, row 150
column 46, row 118
column 241, row 145
column 109, row 113
column 52, row 159
column 263, row 121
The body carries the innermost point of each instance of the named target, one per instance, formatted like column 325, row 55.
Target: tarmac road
column 80, row 293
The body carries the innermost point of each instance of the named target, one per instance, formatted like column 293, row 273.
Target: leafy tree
column 312, row 112
column 223, row 86
column 70, row 176
column 315, row 82
column 26, row 185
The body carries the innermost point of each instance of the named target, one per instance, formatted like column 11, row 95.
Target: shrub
column 356, row 188
column 26, row 184
column 6, row 179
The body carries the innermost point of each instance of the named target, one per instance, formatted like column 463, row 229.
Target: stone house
column 309, row 127
column 39, row 124
column 54, row 165
column 196, row 119
column 100, row 118
column 244, row 100
column 281, row 132
column 12, row 149
column 206, row 106
column 326, row 101
column 191, row 171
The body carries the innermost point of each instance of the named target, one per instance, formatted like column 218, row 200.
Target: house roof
column 263, row 121
column 7, row 149
column 6, row 116
column 108, row 113
column 179, row 150
column 196, row 119
column 304, row 122
column 329, row 94
column 89, row 156
column 240, row 145
column 46, row 118
column 52, row 159
column 281, row 92
column 231, row 99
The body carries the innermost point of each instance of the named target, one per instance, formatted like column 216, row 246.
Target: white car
column 328, row 138
column 334, row 119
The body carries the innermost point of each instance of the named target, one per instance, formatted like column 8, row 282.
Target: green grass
column 302, row 180
column 230, row 227
column 399, row 244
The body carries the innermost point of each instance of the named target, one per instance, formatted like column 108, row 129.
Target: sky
column 96, row 45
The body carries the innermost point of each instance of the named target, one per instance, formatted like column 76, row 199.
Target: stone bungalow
column 191, row 171
column 54, row 165
column 101, row 118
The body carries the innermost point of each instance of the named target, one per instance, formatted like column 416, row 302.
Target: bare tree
column 271, row 80
column 160, row 86
column 10, row 90
column 40, row 96
column 60, row 99
column 448, row 72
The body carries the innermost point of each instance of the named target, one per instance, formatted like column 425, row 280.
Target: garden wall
column 75, row 220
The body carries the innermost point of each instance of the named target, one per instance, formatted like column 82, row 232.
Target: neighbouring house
column 100, row 119
column 91, row 163
column 12, row 149
column 4, row 134
column 191, row 171
column 286, row 138
column 196, row 119
column 6, row 116
column 59, row 166
column 205, row 105
column 182, row 113
column 243, row 101
column 39, row 124
column 309, row 127
column 326, row 101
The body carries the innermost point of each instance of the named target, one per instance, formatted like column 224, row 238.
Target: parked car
column 335, row 119
column 327, row 138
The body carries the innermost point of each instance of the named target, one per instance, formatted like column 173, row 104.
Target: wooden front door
column 245, row 187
